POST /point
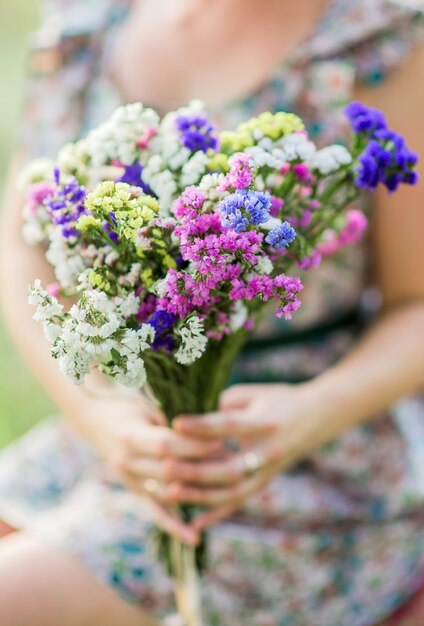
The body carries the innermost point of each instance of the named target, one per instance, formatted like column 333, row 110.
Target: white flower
column 67, row 263
column 32, row 232
column 51, row 331
column 297, row 146
column 264, row 265
column 38, row 170
column 118, row 137
column 330, row 159
column 47, row 306
column 136, row 341
column 193, row 170
column 75, row 366
column 104, row 331
column 129, row 305
column 193, row 342
column 100, row 301
column 132, row 374
column 238, row 316
column 273, row 222
column 111, row 257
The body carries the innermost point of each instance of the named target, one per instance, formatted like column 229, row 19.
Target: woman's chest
column 212, row 53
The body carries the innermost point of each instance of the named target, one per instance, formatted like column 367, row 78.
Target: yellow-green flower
column 85, row 222
column 272, row 125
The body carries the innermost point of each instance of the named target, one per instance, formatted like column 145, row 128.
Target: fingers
column 163, row 442
column 214, row 472
column 172, row 524
column 235, row 397
column 222, row 511
column 222, row 471
column 225, row 496
column 163, row 516
column 231, row 423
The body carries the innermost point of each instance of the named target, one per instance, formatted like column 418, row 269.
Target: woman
column 338, row 538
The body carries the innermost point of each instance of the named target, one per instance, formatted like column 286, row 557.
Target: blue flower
column 258, row 205
column 197, row 132
column 231, row 209
column 282, row 236
column 245, row 207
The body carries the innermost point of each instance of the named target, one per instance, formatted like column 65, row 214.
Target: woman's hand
column 131, row 435
column 276, row 425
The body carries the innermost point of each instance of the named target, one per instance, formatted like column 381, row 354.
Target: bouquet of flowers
column 173, row 238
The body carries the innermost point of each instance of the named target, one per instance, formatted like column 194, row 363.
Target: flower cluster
column 173, row 237
column 386, row 158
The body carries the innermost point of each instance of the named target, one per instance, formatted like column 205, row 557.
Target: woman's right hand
column 130, row 434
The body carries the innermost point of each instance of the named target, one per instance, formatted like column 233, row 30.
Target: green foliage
column 22, row 402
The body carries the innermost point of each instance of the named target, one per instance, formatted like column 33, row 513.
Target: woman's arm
column 385, row 365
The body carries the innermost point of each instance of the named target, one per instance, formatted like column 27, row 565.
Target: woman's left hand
column 275, row 424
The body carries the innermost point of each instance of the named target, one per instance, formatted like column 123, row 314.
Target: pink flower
column 302, row 172
column 37, row 193
column 276, row 206
column 241, row 173
column 312, row 261
column 356, row 225
column 53, row 289
column 143, row 142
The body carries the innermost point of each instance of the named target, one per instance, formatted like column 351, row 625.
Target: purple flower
column 162, row 321
column 133, row 176
column 66, row 204
column 282, row 236
column 388, row 161
column 113, row 235
column 197, row 132
column 386, row 158
column 364, row 119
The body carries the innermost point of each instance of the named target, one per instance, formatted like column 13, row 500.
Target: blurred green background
column 21, row 400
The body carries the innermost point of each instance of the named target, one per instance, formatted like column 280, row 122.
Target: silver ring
column 151, row 486
column 251, row 462
column 232, row 445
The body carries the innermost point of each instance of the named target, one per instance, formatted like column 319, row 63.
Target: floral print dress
column 339, row 539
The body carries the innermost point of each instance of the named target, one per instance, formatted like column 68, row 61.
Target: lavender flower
column 197, row 132
column 66, row 205
column 282, row 236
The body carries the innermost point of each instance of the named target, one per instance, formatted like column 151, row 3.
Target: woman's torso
column 354, row 42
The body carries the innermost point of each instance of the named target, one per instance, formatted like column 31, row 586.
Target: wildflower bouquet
column 173, row 238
